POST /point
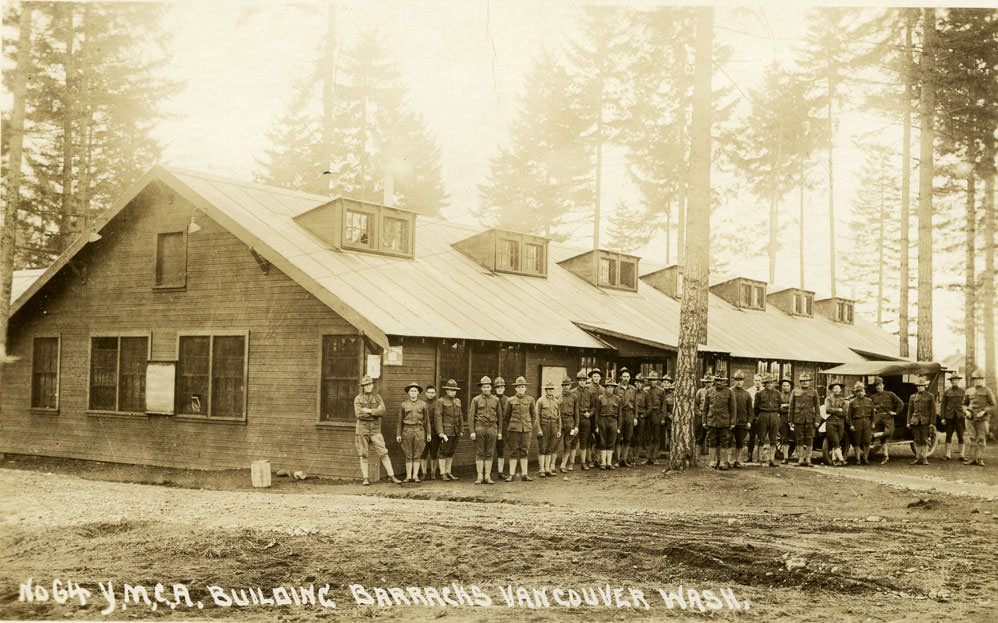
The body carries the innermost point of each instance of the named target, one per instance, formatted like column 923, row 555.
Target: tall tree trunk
column 801, row 244
column 970, row 279
column 903, row 304
column 880, row 246
column 927, row 116
column 774, row 205
column 85, row 113
column 831, row 183
column 668, row 231
column 327, row 65
column 988, row 294
column 693, row 314
column 596, row 202
column 69, row 102
column 12, row 192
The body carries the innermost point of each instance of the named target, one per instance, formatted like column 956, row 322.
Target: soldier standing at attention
column 805, row 411
column 719, row 421
column 753, row 429
column 835, row 407
column 428, row 460
column 549, row 416
column 640, row 414
column 654, row 422
column 743, row 419
column 583, row 436
column 668, row 406
column 485, row 423
column 610, row 418
column 521, row 418
column 952, row 415
column 979, row 400
column 786, row 426
column 628, row 395
column 766, row 406
column 594, row 392
column 448, row 426
column 413, row 430
column 858, row 416
column 886, row 405
column 700, row 403
column 921, row 415
column 369, row 408
column 500, row 389
column 568, row 407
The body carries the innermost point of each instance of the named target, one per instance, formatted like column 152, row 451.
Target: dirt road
column 757, row 544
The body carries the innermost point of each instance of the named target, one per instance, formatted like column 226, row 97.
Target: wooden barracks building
column 208, row 323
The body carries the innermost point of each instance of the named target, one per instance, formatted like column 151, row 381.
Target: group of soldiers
column 610, row 425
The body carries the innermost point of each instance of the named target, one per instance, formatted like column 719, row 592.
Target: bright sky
column 463, row 61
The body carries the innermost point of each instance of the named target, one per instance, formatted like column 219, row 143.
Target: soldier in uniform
column 485, row 421
column 979, row 401
column 568, row 407
column 500, row 389
column 751, row 444
column 786, row 426
column 628, row 396
column 594, row 392
column 835, row 407
column 640, row 414
column 805, row 412
column 743, row 419
column 952, row 415
column 921, row 415
column 448, row 426
column 584, row 435
column 886, row 405
column 668, row 407
column 653, row 418
column 719, row 420
column 428, row 460
column 700, row 404
column 413, row 430
column 766, row 407
column 610, row 419
column 549, row 417
column 369, row 408
column 521, row 419
column 858, row 417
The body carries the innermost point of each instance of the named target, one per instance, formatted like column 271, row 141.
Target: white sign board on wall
column 160, row 383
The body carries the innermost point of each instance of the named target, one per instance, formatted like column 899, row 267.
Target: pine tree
column 375, row 134
column 927, row 116
column 90, row 109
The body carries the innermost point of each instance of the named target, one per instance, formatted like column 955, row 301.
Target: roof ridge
column 257, row 185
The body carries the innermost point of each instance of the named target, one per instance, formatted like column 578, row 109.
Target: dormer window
column 507, row 252
column 742, row 292
column 358, row 230
column 843, row 311
column 607, row 271
column 803, row 304
column 395, row 234
column 613, row 270
column 753, row 296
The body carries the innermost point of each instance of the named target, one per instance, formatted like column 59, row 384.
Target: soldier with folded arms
column 369, row 408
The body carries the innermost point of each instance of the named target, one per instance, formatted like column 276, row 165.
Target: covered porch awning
column 886, row 368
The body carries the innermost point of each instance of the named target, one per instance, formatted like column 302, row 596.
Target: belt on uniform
column 419, row 424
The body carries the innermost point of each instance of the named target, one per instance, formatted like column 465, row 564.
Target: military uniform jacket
column 641, row 401
column 484, row 411
column 785, row 398
column 743, row 406
column 922, row 409
column 979, row 399
column 591, row 396
column 548, row 409
column 569, row 408
column 859, row 408
column 368, row 422
column 447, row 416
column 835, row 407
column 700, row 401
column 805, row 407
column 767, row 401
column 656, row 402
column 886, row 402
column 503, row 399
column 720, row 408
column 668, row 403
column 627, row 397
column 413, row 413
column 610, row 407
column 952, row 403
column 521, row 415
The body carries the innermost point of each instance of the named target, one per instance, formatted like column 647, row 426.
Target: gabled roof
column 443, row 293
